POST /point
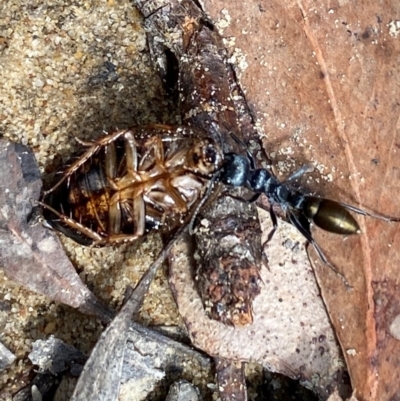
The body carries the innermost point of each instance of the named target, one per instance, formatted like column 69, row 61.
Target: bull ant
column 301, row 210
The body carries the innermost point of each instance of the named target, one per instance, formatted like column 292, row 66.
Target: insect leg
column 114, row 215
column 139, row 216
column 133, row 209
column 93, row 149
column 131, row 152
column 92, row 202
column 131, row 175
column 274, row 224
column 159, row 151
column 106, row 140
column 304, row 228
column 119, row 238
column 86, row 144
column 252, row 199
column 117, row 208
column 74, row 167
column 97, row 238
column 175, row 196
column 110, row 162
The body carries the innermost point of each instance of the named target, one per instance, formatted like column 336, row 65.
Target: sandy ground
column 73, row 69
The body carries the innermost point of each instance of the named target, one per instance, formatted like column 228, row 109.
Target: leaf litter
column 30, row 254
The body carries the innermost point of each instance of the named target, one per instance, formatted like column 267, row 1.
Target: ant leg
column 306, row 168
column 304, row 229
column 274, row 220
column 274, row 225
column 270, row 234
column 252, row 199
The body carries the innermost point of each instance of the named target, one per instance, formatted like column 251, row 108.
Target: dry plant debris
column 30, row 254
column 55, row 356
column 324, row 82
column 104, row 375
column 182, row 391
column 6, row 357
column 132, row 368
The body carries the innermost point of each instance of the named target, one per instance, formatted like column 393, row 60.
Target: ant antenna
column 203, row 201
column 243, row 145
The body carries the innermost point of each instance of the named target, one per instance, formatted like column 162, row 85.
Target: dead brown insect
column 131, row 182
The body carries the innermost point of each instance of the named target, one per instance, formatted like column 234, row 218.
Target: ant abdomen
column 329, row 215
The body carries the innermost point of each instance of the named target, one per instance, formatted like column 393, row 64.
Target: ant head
column 235, row 170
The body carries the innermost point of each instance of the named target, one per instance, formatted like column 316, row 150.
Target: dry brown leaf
column 30, row 254
column 290, row 334
column 324, row 82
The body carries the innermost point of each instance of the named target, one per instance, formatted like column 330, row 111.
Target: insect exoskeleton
column 329, row 215
column 130, row 182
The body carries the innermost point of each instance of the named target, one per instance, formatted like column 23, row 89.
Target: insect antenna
column 363, row 212
column 204, row 199
column 243, row 145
